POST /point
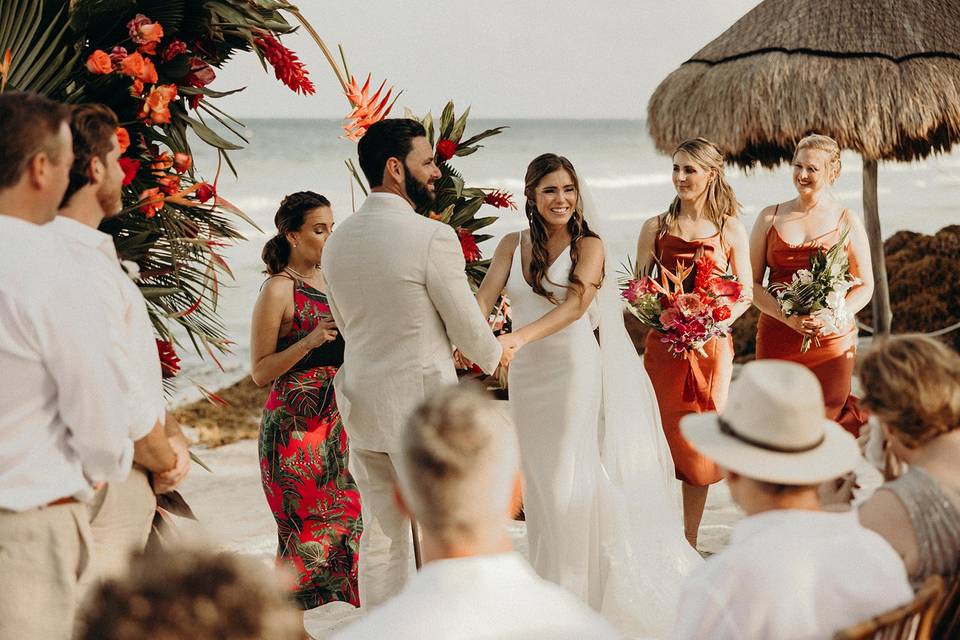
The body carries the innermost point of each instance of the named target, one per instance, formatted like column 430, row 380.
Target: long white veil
column 644, row 552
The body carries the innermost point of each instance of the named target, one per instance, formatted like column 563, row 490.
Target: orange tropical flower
column 162, row 162
column 151, row 201
column 367, row 110
column 169, row 184
column 99, row 63
column 123, row 139
column 156, row 105
column 181, row 162
column 136, row 89
column 136, row 66
column 5, row 69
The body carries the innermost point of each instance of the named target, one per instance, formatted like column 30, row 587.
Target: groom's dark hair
column 390, row 138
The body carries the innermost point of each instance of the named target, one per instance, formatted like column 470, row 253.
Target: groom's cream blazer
column 399, row 295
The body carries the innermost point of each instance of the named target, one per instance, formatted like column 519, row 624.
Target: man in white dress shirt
column 459, row 477
column 791, row 571
column 63, row 401
column 122, row 512
column 400, row 297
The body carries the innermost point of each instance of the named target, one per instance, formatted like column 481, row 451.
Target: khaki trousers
column 386, row 546
column 44, row 554
column 120, row 517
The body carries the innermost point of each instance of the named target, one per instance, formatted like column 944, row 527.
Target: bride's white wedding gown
column 610, row 531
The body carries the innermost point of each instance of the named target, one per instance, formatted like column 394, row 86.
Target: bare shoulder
column 590, row 246
column 509, row 242
column 651, row 225
column 276, row 289
column 766, row 217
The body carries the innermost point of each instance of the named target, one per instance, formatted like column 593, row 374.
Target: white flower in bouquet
column 805, row 276
column 835, row 299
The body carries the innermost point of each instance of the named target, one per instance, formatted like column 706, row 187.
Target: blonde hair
column 458, row 464
column 912, row 384
column 192, row 593
column 721, row 200
column 819, row 142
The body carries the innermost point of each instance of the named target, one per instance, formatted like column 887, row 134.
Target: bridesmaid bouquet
column 820, row 291
column 685, row 320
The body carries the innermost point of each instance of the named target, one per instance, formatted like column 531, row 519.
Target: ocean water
column 629, row 180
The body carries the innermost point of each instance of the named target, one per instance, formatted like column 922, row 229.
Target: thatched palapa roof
column 882, row 77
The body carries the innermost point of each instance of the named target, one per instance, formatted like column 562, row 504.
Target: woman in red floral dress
column 303, row 445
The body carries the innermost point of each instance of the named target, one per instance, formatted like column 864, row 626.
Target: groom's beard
column 417, row 191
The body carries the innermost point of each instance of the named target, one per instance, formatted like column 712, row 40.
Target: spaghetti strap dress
column 669, row 374
column 833, row 359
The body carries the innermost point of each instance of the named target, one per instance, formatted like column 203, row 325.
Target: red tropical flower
column 725, row 288
column 500, row 200
column 471, row 252
column 201, row 74
column 286, row 65
column 130, row 168
column 703, row 266
column 446, row 149
column 181, row 162
column 367, row 110
column 174, row 49
column 721, row 313
column 206, row 191
column 169, row 362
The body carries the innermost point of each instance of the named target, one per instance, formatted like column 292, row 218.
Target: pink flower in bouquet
column 725, row 288
column 130, row 168
column 201, row 74
column 669, row 317
column 286, row 65
column 174, row 49
column 500, row 200
column 721, row 313
column 690, row 304
column 471, row 252
column 99, row 63
column 446, row 149
column 169, row 362
column 145, row 32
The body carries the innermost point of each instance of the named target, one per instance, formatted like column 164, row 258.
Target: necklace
column 297, row 273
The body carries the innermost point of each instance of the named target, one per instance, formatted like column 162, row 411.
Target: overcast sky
column 506, row 58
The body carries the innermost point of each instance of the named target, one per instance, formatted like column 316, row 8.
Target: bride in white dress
column 603, row 513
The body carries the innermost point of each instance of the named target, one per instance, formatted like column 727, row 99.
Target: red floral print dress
column 303, row 466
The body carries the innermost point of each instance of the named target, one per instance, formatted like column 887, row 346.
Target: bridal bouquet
column 820, row 291
column 685, row 320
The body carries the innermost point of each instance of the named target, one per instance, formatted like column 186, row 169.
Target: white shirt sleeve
column 701, row 616
column 88, row 370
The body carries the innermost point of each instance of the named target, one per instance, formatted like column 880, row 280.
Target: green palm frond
column 44, row 49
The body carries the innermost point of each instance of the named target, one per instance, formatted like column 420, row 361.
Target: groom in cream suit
column 399, row 296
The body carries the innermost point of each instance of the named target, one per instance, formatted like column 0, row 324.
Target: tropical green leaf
column 483, row 135
column 459, row 126
column 211, row 137
column 446, row 121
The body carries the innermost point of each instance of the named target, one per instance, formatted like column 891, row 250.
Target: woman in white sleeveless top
column 603, row 515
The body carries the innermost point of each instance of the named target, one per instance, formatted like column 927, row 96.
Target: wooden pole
column 882, row 315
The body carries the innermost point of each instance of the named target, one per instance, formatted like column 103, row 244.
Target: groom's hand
column 460, row 360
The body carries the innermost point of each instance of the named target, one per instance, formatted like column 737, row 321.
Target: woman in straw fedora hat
column 791, row 570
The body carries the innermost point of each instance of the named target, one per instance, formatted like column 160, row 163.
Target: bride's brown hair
column 540, row 167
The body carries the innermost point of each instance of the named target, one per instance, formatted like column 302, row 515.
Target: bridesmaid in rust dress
column 783, row 238
column 702, row 220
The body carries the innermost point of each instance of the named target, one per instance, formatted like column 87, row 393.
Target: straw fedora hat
column 773, row 428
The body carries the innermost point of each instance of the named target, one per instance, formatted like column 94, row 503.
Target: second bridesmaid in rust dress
column 702, row 220
column 783, row 239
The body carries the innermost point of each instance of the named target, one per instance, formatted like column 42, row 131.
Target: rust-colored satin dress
column 833, row 360
column 669, row 373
